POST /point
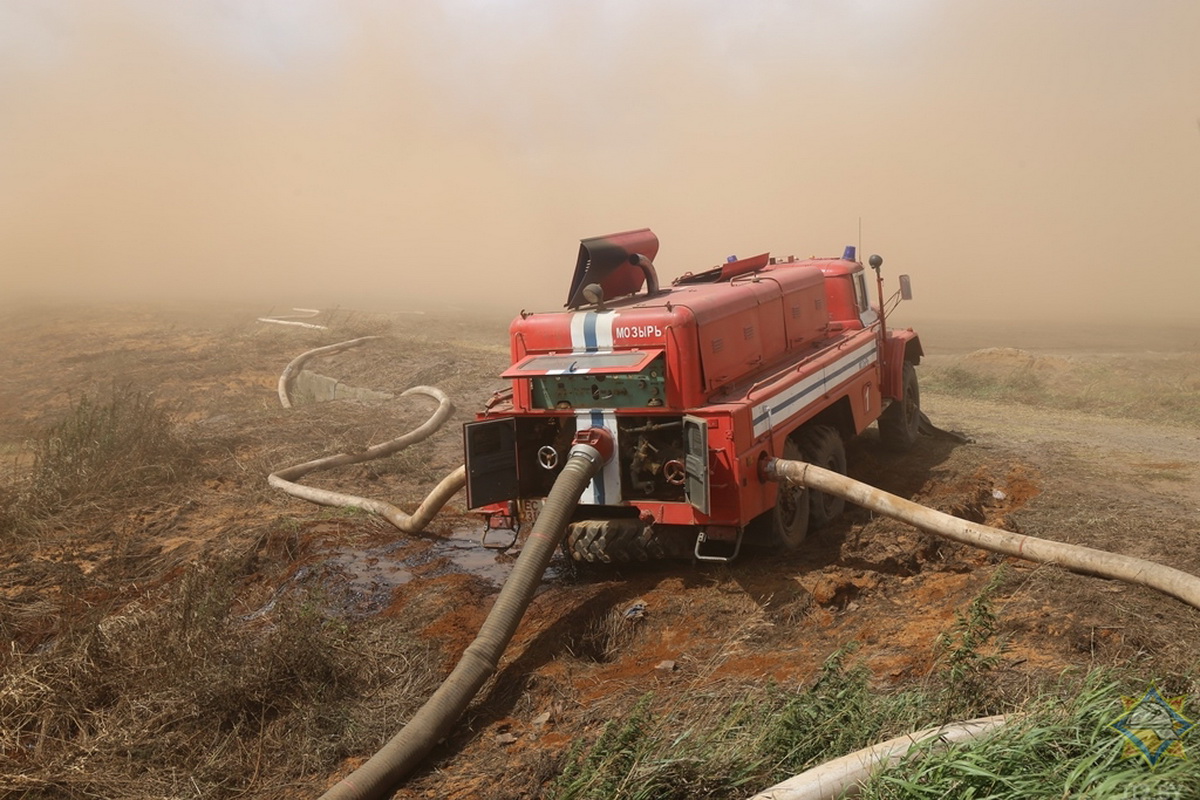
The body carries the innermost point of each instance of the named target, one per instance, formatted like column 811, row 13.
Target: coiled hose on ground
column 285, row 479
column 433, row 721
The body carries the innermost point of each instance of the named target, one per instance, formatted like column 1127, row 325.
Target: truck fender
column 901, row 346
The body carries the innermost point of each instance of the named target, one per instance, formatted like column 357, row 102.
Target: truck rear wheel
column 624, row 541
column 822, row 445
column 900, row 423
column 785, row 526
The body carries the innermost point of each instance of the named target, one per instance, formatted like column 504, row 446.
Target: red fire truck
column 698, row 383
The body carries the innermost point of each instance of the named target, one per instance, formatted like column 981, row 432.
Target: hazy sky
column 1023, row 159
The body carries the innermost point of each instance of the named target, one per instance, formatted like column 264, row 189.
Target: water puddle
column 360, row 581
column 460, row 551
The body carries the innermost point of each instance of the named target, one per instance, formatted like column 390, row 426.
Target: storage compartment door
column 695, row 460
column 491, row 450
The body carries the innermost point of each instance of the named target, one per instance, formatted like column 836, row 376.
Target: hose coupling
column 777, row 469
column 594, row 443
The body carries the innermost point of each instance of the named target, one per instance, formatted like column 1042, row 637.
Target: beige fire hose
column 288, row 376
column 843, row 776
column 1087, row 560
column 292, row 319
column 285, row 479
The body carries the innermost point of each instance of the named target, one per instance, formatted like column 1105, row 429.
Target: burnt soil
column 1110, row 482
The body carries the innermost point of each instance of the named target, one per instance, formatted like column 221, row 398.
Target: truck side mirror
column 905, row 288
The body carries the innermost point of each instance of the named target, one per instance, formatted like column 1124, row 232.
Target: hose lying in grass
column 843, row 776
column 288, row 376
column 396, row 759
column 285, row 479
column 290, row 319
column 1077, row 558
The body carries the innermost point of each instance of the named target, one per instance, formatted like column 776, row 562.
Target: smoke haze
column 1021, row 160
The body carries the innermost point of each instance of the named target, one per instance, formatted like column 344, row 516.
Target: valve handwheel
column 547, row 457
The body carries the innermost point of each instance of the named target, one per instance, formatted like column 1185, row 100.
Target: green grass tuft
column 1060, row 746
column 967, row 655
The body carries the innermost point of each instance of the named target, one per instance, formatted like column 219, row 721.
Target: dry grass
column 106, row 449
column 169, row 679
column 233, row 667
column 181, row 691
column 1156, row 387
column 604, row 636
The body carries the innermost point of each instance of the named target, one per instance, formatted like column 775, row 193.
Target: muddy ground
column 1119, row 480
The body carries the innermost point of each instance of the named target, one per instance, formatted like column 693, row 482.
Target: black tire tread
column 613, row 541
column 822, row 445
column 895, row 432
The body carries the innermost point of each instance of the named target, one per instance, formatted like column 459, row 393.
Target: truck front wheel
column 900, row 423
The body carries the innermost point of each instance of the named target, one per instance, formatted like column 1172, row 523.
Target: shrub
column 967, row 654
column 103, row 450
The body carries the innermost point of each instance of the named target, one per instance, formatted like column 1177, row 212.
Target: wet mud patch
column 358, row 579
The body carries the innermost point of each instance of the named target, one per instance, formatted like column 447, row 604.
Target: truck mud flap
column 491, row 455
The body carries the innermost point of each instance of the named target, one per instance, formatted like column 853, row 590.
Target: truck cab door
column 695, row 461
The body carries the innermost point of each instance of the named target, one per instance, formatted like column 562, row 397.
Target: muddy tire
column 900, row 423
column 822, row 445
column 785, row 526
column 613, row 541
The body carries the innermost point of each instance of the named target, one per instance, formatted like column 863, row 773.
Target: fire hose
column 397, row 758
column 1077, row 558
column 288, row 376
column 842, row 776
column 285, row 479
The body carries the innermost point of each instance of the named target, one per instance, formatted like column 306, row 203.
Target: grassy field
column 1163, row 388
